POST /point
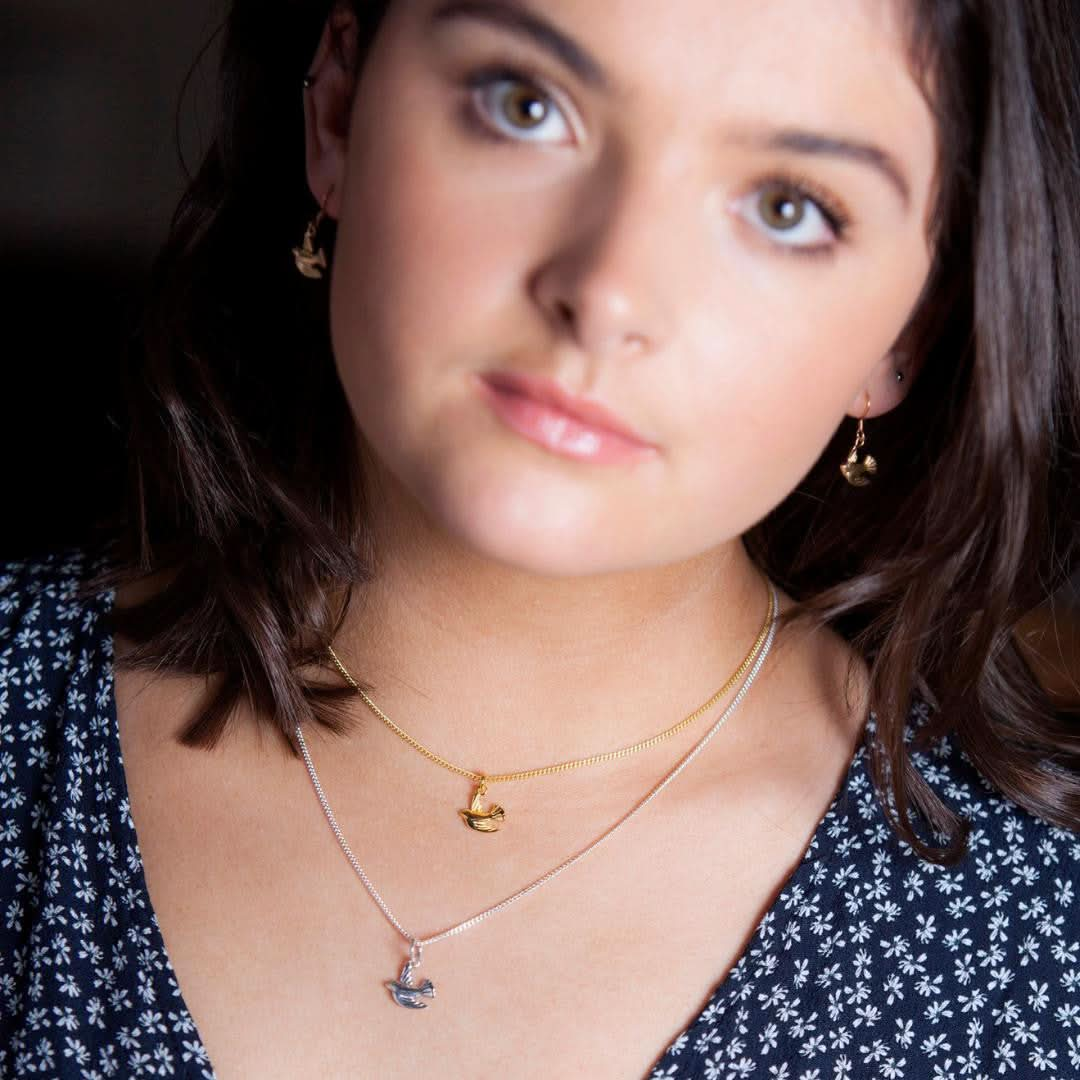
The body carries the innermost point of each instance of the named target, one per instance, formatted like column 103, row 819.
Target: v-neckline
column 810, row 868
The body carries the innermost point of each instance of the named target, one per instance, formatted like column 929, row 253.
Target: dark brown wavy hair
column 246, row 492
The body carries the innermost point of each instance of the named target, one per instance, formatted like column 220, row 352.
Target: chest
column 283, row 958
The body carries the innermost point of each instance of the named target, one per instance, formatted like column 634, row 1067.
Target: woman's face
column 708, row 217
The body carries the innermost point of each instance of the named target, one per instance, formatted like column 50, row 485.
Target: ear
column 885, row 389
column 328, row 106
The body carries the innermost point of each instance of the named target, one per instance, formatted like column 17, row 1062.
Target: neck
column 499, row 669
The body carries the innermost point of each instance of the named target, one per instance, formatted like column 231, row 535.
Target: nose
column 609, row 282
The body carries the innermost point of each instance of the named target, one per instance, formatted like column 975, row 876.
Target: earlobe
column 328, row 90
column 887, row 387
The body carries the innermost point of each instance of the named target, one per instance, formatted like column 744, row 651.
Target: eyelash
column 484, row 77
column 832, row 210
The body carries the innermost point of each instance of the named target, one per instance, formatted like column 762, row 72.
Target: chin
column 537, row 530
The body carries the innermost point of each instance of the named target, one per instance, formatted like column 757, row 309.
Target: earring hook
column 856, row 472
column 311, row 261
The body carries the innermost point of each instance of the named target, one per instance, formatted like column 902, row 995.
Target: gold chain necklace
column 488, row 819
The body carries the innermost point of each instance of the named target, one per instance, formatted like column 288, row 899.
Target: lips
column 572, row 427
column 591, row 414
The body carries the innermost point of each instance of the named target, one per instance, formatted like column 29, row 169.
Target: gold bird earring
column 856, row 472
column 311, row 261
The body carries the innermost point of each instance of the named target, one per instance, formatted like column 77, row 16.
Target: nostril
column 565, row 312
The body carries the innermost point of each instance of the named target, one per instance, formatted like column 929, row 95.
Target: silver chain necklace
column 405, row 990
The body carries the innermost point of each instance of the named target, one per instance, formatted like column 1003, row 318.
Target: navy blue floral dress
column 870, row 963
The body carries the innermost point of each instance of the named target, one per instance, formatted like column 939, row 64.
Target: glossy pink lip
column 542, row 411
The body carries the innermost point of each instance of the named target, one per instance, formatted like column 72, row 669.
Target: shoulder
column 54, row 651
column 55, row 682
column 1020, row 876
column 873, row 958
column 85, row 980
column 48, row 622
column 55, row 674
column 1011, row 852
column 987, row 943
column 951, row 773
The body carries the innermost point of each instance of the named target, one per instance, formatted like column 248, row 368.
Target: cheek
column 399, row 280
column 428, row 285
column 769, row 369
column 422, row 261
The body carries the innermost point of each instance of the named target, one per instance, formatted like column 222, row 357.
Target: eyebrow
column 819, row 145
column 509, row 15
column 519, row 20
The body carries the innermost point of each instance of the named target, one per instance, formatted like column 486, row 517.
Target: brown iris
column 781, row 208
column 524, row 108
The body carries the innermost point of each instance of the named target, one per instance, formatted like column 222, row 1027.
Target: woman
column 531, row 390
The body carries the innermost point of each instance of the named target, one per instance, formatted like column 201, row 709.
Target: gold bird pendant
column 858, row 473
column 480, row 819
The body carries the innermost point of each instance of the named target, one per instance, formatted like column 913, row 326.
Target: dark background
column 103, row 106
column 91, row 174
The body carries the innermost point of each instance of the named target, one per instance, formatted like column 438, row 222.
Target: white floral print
column 871, row 963
column 875, row 963
column 86, row 987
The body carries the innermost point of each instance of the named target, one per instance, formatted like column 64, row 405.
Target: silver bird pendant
column 406, row 993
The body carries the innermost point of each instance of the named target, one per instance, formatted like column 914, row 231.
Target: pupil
column 526, row 108
column 783, row 209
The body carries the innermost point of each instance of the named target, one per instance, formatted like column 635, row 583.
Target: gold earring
column 309, row 261
column 856, row 472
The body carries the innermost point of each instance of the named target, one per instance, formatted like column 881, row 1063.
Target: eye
column 795, row 215
column 511, row 106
